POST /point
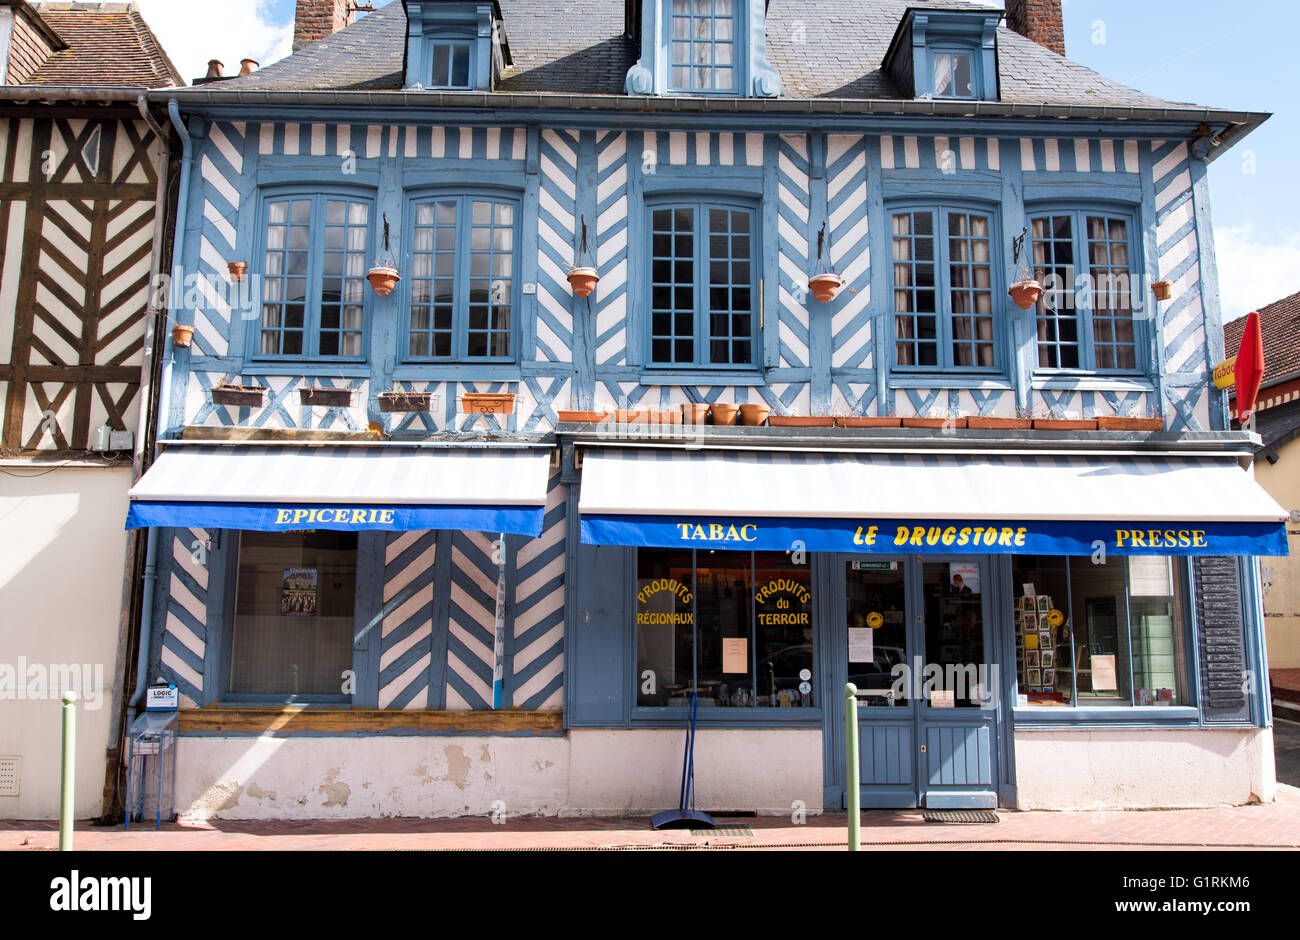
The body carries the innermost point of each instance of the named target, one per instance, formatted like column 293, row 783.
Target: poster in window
column 1103, row 673
column 735, row 655
column 963, row 578
column 1150, row 576
column 861, row 645
column 298, row 592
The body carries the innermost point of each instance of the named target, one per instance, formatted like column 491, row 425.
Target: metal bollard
column 67, row 790
column 853, row 794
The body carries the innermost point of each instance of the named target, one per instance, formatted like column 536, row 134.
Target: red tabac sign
column 1249, row 370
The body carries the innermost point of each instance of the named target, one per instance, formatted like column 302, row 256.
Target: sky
column 1203, row 51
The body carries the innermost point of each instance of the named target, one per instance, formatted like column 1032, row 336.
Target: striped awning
column 392, row 488
column 918, row 503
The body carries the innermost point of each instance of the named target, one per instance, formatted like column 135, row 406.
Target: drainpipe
column 151, row 552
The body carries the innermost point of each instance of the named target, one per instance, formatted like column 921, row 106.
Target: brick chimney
column 1039, row 20
column 316, row 19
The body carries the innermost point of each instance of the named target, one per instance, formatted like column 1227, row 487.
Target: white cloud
column 1254, row 271
column 192, row 33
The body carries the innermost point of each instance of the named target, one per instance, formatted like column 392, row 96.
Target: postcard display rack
column 1036, row 646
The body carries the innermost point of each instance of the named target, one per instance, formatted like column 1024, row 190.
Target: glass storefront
column 734, row 626
column 1100, row 634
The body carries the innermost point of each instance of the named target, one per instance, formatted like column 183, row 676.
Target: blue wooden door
column 918, row 648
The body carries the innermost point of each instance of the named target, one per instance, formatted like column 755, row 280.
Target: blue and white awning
column 915, row 503
column 391, row 488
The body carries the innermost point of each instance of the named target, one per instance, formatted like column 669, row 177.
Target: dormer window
column 946, row 54
column 703, row 37
column 700, row 47
column 455, row 46
column 450, row 65
column 952, row 75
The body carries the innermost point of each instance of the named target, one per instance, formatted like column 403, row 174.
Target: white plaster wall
column 584, row 773
column 355, row 777
column 1100, row 769
column 62, row 552
column 764, row 771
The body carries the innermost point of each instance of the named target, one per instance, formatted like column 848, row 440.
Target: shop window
column 703, row 286
column 1093, row 635
column 462, row 290
column 1085, row 314
column 944, row 314
column 314, row 295
column 736, row 626
column 295, row 598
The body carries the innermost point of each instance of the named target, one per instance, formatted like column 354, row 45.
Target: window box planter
column 695, row 414
column 861, row 421
column 999, row 424
column 395, row 402
column 800, row 421
column 753, row 416
column 241, row 396
column 1065, row 424
column 487, row 403
column 1118, row 423
column 934, row 422
column 582, row 417
column 724, row 413
column 325, row 397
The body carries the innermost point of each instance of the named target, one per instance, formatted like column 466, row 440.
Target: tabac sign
column 940, row 536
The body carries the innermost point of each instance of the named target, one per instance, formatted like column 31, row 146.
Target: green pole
column 66, row 788
column 851, row 755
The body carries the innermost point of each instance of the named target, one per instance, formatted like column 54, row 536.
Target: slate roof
column 109, row 44
column 822, row 48
column 1279, row 323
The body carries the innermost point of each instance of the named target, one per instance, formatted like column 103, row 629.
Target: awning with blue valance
column 928, row 503
column 344, row 487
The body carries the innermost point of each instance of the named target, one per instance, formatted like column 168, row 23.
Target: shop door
column 919, row 644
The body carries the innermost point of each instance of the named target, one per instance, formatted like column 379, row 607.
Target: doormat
column 726, row 832
column 960, row 816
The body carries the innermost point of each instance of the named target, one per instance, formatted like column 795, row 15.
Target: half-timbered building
column 83, row 174
column 464, row 279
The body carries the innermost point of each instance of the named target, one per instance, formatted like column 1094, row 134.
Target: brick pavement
column 1275, row 825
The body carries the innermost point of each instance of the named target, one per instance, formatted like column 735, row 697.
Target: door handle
column 922, row 748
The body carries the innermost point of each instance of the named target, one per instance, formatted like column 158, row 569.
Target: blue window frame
column 450, row 64
column 703, row 285
column 464, row 251
column 955, row 72
column 1084, row 259
column 944, row 312
column 314, row 297
column 702, row 47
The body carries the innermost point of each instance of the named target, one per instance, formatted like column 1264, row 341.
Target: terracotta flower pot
column 1025, row 293
column 724, row 413
column 383, row 280
column 999, row 424
column 182, row 335
column 825, row 286
column 753, row 416
column 860, row 421
column 237, row 270
column 1162, row 289
column 583, row 280
column 693, row 413
column 1118, row 423
column 800, row 421
column 582, row 417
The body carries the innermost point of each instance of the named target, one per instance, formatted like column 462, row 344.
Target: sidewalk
column 1272, row 826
